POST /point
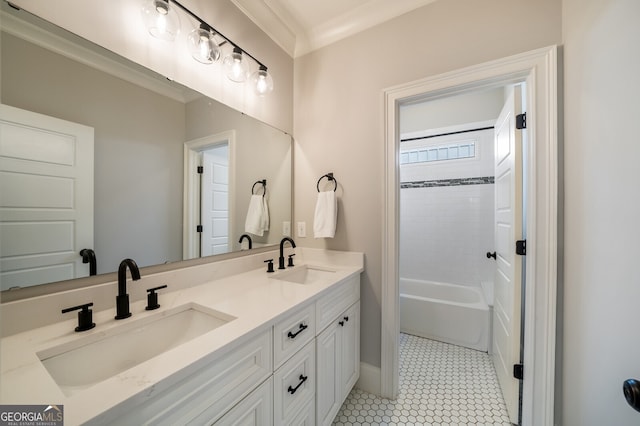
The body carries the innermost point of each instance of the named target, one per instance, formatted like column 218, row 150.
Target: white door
column 215, row 201
column 508, row 229
column 46, row 198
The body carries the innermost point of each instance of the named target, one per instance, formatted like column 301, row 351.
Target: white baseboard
column 369, row 380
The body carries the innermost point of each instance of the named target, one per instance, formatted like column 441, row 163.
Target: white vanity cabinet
column 202, row 397
column 337, row 349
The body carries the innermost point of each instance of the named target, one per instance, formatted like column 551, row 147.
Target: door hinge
column 518, row 371
column 199, row 228
column 200, row 169
column 521, row 247
column 521, row 121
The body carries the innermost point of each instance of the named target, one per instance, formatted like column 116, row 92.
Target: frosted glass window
column 439, row 153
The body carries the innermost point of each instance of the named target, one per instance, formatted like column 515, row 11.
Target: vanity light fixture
column 163, row 22
column 262, row 81
column 235, row 66
column 202, row 46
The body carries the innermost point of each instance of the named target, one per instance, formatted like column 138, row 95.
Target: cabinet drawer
column 292, row 333
column 332, row 304
column 205, row 395
column 294, row 385
column 255, row 410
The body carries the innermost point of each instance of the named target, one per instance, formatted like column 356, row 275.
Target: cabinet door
column 254, row 410
column 294, row 385
column 328, row 400
column 350, row 349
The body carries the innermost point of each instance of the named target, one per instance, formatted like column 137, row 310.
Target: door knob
column 490, row 255
column 631, row 389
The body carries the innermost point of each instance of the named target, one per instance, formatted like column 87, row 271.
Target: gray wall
column 602, row 207
column 338, row 111
column 138, row 149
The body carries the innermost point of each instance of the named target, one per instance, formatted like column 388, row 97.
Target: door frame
column 191, row 209
column 539, row 70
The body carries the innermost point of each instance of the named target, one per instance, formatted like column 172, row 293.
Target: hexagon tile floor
column 440, row 384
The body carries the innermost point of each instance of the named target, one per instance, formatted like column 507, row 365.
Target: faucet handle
column 85, row 316
column 152, row 298
column 290, row 263
column 269, row 263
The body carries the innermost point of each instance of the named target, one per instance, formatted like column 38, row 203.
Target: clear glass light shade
column 262, row 82
column 160, row 19
column 202, row 46
column 236, row 67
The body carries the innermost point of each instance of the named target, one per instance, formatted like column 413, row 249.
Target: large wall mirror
column 147, row 132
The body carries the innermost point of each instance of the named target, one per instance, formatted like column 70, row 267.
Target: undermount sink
column 82, row 363
column 305, row 274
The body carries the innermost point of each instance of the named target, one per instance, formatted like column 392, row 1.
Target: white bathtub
column 446, row 312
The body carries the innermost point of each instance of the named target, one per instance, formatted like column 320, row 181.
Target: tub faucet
column 122, row 299
column 281, row 258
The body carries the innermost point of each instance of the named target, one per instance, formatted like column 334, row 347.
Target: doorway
column 538, row 69
column 208, row 183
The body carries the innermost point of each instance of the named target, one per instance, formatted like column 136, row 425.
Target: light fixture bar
column 227, row 39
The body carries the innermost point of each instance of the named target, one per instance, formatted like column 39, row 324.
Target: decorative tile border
column 484, row 180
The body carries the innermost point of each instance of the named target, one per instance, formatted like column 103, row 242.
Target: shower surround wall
column 447, row 213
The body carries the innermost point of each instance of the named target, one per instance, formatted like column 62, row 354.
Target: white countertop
column 255, row 298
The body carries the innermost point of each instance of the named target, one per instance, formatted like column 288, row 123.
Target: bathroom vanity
column 229, row 344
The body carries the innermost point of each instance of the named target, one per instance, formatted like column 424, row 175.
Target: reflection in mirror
column 141, row 142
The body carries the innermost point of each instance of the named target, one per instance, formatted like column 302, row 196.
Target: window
column 439, row 153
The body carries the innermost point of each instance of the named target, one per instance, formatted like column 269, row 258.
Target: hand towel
column 265, row 214
column 326, row 215
column 256, row 214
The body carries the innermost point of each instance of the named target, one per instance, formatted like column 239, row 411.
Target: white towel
column 257, row 216
column 326, row 216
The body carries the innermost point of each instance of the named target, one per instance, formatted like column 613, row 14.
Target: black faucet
column 122, row 299
column 247, row 237
column 281, row 258
column 89, row 256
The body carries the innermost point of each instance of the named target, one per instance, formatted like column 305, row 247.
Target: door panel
column 46, row 198
column 508, row 229
column 215, row 201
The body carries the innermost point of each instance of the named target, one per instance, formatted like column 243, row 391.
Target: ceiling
column 301, row 26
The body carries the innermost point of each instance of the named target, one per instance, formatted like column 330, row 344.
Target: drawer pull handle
column 345, row 319
column 301, row 328
column 341, row 323
column 302, row 380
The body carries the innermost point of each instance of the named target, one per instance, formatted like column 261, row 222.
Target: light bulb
column 236, row 66
column 202, row 46
column 160, row 19
column 262, row 81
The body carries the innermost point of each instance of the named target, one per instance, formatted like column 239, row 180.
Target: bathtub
column 448, row 313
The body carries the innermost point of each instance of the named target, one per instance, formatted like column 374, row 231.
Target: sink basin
column 82, row 363
column 305, row 274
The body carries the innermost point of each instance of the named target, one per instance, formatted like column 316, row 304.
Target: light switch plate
column 302, row 229
column 286, row 228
